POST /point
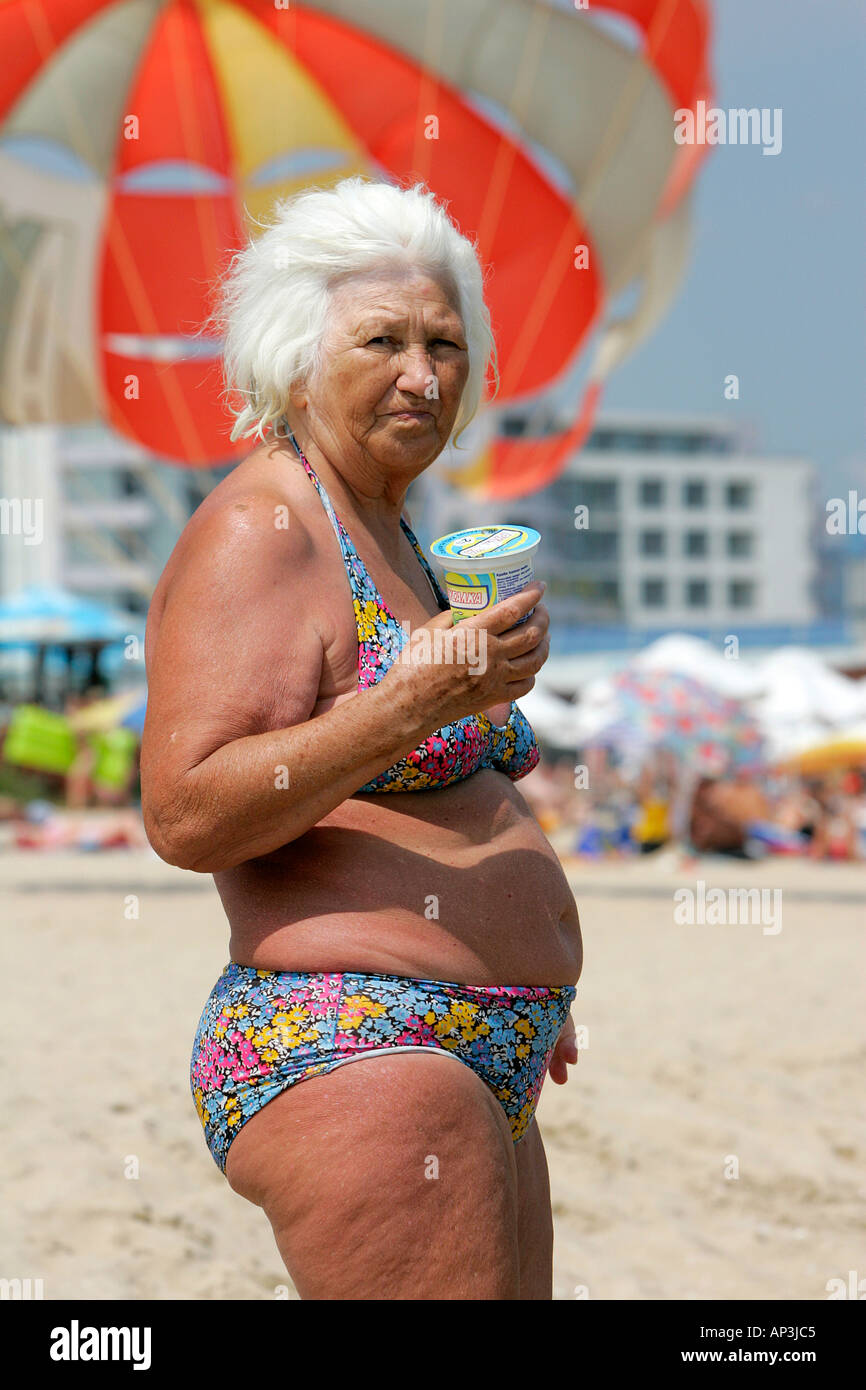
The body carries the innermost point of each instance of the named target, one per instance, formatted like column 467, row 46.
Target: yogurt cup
column 484, row 564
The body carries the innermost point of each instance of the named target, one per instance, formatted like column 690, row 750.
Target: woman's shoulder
column 257, row 515
column 266, row 484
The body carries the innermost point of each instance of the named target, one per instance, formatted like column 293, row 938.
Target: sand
column 713, row 1050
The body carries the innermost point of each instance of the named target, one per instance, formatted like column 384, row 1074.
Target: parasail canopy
column 141, row 139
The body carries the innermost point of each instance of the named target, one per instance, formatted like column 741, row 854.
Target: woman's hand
column 564, row 1054
column 481, row 662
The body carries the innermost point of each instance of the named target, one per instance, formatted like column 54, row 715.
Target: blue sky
column 776, row 289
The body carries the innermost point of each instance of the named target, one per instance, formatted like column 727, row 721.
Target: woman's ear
column 297, row 393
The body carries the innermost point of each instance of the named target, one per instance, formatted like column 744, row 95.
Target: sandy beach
column 709, row 1144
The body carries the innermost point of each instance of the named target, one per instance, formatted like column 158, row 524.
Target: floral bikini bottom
column 262, row 1031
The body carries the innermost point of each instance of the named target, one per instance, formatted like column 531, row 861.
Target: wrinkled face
column 395, row 363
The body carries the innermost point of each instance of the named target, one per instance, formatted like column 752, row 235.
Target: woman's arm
column 232, row 764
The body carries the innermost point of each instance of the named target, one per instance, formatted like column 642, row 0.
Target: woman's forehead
column 395, row 293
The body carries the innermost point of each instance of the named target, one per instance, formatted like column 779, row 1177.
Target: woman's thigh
column 394, row 1178
column 534, row 1217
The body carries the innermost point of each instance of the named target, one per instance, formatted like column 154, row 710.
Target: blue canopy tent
column 54, row 623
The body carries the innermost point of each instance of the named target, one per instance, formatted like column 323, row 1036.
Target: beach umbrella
column 143, row 141
column 739, row 679
column 46, row 616
column 551, row 717
column 839, row 754
column 652, row 709
column 42, row 619
column 798, row 686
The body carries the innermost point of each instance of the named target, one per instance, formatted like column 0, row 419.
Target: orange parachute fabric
column 138, row 143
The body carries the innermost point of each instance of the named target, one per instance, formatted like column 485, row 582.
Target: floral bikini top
column 455, row 751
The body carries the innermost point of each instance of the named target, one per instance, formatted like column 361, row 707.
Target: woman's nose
column 416, row 370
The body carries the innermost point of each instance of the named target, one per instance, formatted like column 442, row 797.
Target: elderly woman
column 390, row 895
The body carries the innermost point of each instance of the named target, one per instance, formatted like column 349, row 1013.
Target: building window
column 741, row 593
column 563, row 493
column 653, row 593
column 695, row 543
column 131, row 485
column 513, row 426
column 652, row 542
column 561, row 586
column 194, row 496
column 624, row 441
column 596, row 545
column 651, row 492
column 738, row 495
column 674, row 443
column 740, row 544
column 697, row 593
column 694, row 493
column 599, row 439
column 597, row 594
column 597, row 492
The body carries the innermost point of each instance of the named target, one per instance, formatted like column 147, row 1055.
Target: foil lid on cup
column 477, row 546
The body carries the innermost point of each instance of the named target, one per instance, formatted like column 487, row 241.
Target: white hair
column 273, row 299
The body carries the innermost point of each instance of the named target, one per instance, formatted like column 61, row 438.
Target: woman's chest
column 363, row 632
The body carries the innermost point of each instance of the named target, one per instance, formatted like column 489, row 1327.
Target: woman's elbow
column 176, row 839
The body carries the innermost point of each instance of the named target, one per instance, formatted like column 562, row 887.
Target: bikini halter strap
column 339, row 528
column 342, row 534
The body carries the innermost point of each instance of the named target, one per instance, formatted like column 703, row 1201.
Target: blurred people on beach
column 603, row 807
column 596, row 803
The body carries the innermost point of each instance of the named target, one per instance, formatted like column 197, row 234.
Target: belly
column 454, row 884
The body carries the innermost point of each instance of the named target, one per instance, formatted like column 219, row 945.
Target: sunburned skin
column 457, row 883
column 262, row 724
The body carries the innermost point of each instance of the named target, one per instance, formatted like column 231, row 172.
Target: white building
column 110, row 512
column 678, row 524
column 662, row 522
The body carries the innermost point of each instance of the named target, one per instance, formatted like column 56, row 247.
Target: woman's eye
column 386, row 338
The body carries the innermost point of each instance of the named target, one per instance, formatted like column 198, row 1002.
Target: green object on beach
column 39, row 739
column 115, row 756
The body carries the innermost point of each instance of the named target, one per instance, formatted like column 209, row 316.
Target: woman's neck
column 365, row 498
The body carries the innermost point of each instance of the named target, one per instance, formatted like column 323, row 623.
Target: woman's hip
column 262, row 1031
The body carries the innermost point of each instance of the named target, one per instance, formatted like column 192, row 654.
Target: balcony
column 119, row 513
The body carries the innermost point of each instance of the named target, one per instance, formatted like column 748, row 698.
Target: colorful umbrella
column 838, row 754
column 663, row 709
column 140, row 141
